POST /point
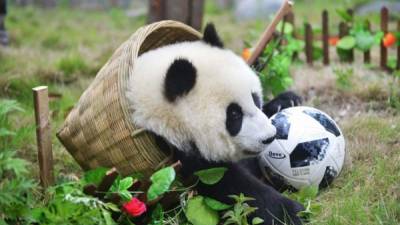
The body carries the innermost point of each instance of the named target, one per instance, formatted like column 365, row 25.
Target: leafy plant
column 69, row 205
column 16, row 197
column 274, row 63
column 241, row 210
column 359, row 37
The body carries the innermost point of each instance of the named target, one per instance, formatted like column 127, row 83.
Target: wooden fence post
column 343, row 31
column 325, row 36
column 308, row 43
column 384, row 28
column 398, row 47
column 351, row 52
column 196, row 8
column 156, row 10
column 189, row 12
column 43, row 134
column 367, row 54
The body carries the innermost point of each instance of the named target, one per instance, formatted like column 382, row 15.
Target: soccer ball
column 309, row 149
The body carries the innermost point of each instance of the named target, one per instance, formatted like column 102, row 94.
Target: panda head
column 199, row 93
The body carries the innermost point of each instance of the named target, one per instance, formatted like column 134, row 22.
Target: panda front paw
column 283, row 211
column 282, row 101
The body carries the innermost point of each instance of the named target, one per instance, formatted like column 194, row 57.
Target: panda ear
column 211, row 37
column 180, row 79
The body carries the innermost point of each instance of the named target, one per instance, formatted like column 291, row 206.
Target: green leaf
column 216, row 205
column 94, row 176
column 364, row 40
column 125, row 183
column 378, row 37
column 107, row 217
column 397, row 35
column 211, row 176
column 288, row 29
column 346, row 43
column 344, row 15
column 161, row 181
column 257, row 220
column 198, row 213
column 125, row 195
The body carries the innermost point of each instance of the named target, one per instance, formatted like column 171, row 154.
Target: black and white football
column 309, row 148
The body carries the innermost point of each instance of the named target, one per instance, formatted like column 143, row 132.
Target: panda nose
column 269, row 140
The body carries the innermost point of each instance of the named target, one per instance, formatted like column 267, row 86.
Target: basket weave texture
column 99, row 130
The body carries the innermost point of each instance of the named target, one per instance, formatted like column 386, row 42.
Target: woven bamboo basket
column 99, row 131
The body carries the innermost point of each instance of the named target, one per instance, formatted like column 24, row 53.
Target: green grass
column 368, row 191
column 64, row 49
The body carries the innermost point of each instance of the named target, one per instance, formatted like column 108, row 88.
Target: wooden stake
column 43, row 134
column 325, row 36
column 367, row 54
column 384, row 28
column 266, row 36
column 308, row 43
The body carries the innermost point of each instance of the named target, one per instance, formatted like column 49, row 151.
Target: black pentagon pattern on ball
column 308, row 153
column 329, row 176
column 282, row 125
column 327, row 123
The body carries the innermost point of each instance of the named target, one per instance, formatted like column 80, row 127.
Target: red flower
column 134, row 207
column 389, row 40
column 333, row 41
column 246, row 53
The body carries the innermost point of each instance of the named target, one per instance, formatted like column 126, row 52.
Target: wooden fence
column 343, row 30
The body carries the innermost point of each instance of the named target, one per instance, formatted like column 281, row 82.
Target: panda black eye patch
column 234, row 119
column 256, row 100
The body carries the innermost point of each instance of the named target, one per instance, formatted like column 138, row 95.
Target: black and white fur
column 206, row 102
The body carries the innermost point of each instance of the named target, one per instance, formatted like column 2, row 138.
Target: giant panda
column 206, row 103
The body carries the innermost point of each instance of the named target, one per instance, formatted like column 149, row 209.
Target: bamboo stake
column 43, row 134
column 266, row 36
